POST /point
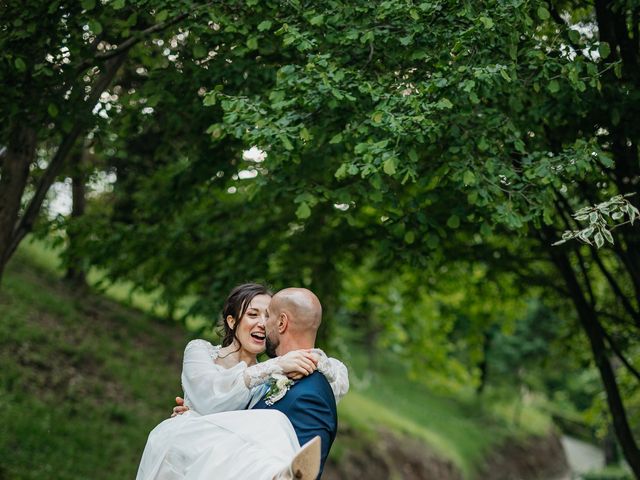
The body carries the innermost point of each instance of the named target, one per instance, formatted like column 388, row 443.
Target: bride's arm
column 208, row 387
column 294, row 364
column 335, row 372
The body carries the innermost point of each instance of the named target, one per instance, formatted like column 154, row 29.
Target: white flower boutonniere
column 279, row 385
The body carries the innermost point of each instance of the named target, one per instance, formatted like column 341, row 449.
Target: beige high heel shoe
column 305, row 465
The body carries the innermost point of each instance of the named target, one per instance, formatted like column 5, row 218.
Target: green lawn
column 83, row 380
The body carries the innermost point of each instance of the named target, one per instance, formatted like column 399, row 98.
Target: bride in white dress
column 217, row 438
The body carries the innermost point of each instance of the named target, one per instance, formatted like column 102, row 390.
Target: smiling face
column 250, row 330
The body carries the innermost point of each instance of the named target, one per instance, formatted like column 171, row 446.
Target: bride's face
column 250, row 331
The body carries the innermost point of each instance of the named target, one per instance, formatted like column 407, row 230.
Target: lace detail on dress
column 213, row 351
column 260, row 373
column 335, row 372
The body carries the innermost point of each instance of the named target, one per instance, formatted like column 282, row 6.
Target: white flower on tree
column 254, row 154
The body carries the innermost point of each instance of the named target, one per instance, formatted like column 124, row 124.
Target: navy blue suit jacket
column 311, row 408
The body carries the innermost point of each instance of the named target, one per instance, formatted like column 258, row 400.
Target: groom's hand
column 180, row 408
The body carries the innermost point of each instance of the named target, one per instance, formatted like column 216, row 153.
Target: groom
column 294, row 317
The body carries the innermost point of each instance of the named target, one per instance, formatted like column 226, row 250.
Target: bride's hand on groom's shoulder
column 180, row 407
column 298, row 363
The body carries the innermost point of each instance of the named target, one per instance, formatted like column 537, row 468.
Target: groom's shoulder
column 315, row 385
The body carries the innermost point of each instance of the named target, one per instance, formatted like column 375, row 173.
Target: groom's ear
column 283, row 322
column 231, row 322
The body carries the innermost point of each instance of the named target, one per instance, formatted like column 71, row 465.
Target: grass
column 85, row 378
column 461, row 429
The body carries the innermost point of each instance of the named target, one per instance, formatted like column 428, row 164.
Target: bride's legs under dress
column 246, row 444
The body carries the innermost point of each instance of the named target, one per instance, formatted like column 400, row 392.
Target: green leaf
column 469, row 178
column 95, row 26
column 444, row 103
column 336, row 138
column 317, row 20
column 409, row 237
column 210, row 99
column 53, row 110
column 389, row 166
column 199, row 51
column 286, row 143
column 485, row 229
column 162, row 15
column 88, row 4
column 574, row 36
column 553, row 86
column 487, row 22
column 252, row 43
column 453, row 222
column 20, row 65
column 599, row 239
column 341, row 172
column 305, row 135
column 264, row 25
column 604, row 50
column 432, row 241
column 117, row 4
column 303, row 211
column 377, row 117
column 543, row 13
column 483, row 146
column 504, row 74
column 414, row 14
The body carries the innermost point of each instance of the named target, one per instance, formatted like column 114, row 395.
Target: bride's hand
column 298, row 363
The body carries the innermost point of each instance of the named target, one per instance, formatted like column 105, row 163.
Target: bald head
column 303, row 308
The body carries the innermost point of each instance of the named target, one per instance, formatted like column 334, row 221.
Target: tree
column 59, row 57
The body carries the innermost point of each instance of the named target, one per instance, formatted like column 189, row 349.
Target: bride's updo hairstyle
column 236, row 305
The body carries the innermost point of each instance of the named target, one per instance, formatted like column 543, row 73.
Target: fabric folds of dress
column 252, row 444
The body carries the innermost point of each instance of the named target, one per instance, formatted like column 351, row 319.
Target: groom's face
column 272, row 339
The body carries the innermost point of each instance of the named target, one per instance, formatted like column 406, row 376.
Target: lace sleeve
column 336, row 373
column 260, row 373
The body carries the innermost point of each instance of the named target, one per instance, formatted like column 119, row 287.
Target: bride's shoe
column 305, row 465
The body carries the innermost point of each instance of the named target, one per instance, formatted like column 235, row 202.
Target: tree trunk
column 593, row 329
column 14, row 173
column 75, row 269
column 484, row 364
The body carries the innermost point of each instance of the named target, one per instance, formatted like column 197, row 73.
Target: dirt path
column 582, row 457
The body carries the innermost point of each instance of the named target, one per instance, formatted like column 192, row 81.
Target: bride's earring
column 306, row 463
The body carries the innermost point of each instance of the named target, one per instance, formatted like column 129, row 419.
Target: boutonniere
column 279, row 385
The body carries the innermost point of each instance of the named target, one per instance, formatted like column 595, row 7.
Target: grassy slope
column 83, row 380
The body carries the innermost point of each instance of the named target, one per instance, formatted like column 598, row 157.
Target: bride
column 218, row 438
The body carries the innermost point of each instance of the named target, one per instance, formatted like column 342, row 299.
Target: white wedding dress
column 217, row 439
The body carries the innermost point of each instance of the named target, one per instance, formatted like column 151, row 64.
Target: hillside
column 84, row 378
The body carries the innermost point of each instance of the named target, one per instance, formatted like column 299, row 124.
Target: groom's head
column 294, row 317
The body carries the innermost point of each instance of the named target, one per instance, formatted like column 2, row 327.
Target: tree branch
column 619, row 354
column 616, row 288
column 133, row 40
